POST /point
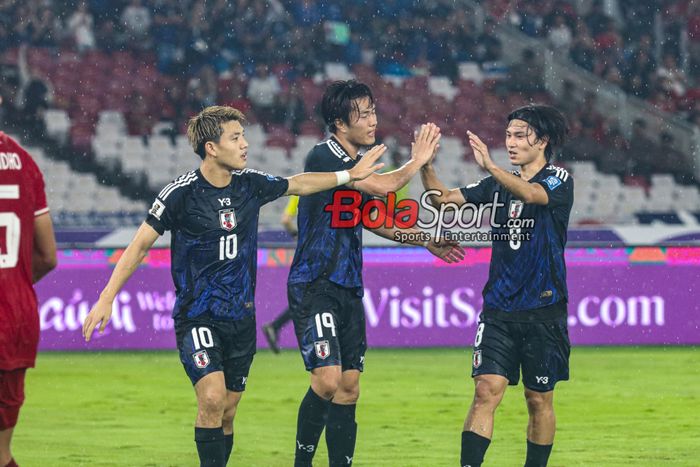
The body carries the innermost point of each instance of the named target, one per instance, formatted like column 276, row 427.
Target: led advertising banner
column 617, row 296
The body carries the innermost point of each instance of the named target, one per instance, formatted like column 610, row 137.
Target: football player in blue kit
column 212, row 214
column 325, row 280
column 523, row 325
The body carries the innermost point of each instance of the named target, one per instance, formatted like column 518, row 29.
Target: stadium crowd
column 166, row 59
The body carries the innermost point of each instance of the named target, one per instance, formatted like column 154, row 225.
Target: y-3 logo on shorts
column 542, row 379
column 305, row 447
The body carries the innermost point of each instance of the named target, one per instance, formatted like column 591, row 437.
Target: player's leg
column 5, row 453
column 200, row 353
column 272, row 329
column 314, row 324
column 341, row 427
column 208, row 431
column 541, row 426
column 236, row 371
column 478, row 425
column 11, row 400
column 495, row 364
column 545, row 362
column 232, row 400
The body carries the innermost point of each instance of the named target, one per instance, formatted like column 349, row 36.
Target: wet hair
column 547, row 123
column 340, row 99
column 207, row 125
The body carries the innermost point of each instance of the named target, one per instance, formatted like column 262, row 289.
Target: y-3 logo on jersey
column 224, row 201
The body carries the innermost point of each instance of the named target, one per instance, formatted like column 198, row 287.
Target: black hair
column 547, row 122
column 340, row 99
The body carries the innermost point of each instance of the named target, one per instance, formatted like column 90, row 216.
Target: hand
column 481, row 152
column 367, row 166
column 99, row 315
column 432, row 158
column 424, row 148
column 447, row 250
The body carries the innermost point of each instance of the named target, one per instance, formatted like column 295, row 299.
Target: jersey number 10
column 228, row 247
column 10, row 221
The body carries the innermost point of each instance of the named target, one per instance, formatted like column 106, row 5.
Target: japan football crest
column 323, row 349
column 227, row 219
column 201, row 359
column 477, row 359
column 515, row 209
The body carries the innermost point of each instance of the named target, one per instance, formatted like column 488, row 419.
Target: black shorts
column 207, row 345
column 329, row 321
column 540, row 347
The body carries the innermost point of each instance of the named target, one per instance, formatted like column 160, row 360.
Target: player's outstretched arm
column 426, row 141
column 430, row 181
column 313, row 182
column 44, row 251
column 530, row 193
column 127, row 264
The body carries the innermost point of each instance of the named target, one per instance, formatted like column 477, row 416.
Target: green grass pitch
column 623, row 406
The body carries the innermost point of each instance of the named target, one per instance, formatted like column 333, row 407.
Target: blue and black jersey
column 527, row 274
column 324, row 251
column 214, row 240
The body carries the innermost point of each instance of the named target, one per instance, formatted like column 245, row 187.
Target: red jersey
column 22, row 198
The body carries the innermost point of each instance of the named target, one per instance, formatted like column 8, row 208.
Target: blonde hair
column 207, row 126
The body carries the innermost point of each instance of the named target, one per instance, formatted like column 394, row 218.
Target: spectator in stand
column 488, row 45
column 639, row 74
column 560, row 36
column 583, row 48
column 169, row 35
column 614, row 153
column 136, row 19
column 527, row 76
column 672, row 161
column 46, row 29
column 293, row 109
column 202, row 88
column 80, row 26
column 263, row 93
column 671, row 76
column 596, row 19
column 641, row 158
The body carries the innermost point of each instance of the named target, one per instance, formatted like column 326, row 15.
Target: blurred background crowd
column 95, row 81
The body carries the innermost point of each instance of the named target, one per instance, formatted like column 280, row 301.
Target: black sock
column 537, row 454
column 228, row 440
column 473, row 449
column 279, row 322
column 210, row 446
column 341, row 432
column 310, row 422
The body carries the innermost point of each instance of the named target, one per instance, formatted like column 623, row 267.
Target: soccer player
column 272, row 329
column 524, row 320
column 27, row 253
column 325, row 281
column 212, row 213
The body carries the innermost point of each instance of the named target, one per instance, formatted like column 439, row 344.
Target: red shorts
column 11, row 396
